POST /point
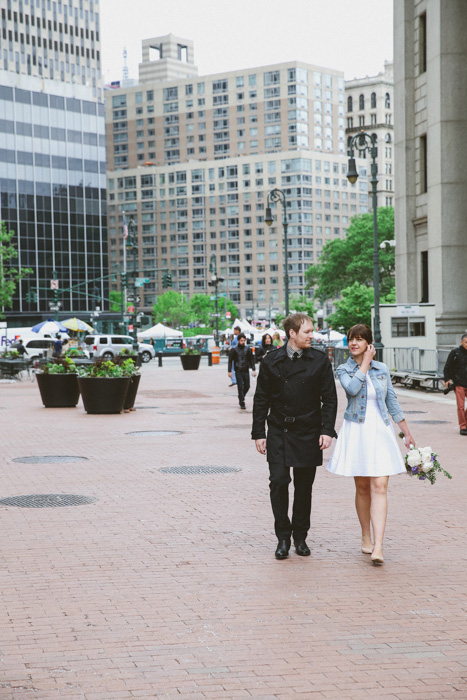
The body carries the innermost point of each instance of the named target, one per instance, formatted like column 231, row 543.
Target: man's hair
column 294, row 322
column 463, row 336
column 237, row 328
column 360, row 330
column 58, row 336
column 241, row 335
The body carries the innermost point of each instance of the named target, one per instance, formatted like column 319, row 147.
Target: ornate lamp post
column 214, row 283
column 277, row 195
column 366, row 142
column 132, row 245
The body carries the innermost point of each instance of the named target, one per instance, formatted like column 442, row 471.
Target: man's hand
column 448, row 383
column 324, row 442
column 229, row 374
column 261, row 446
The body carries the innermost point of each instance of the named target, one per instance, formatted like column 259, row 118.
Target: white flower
column 414, row 458
column 425, row 451
column 427, row 465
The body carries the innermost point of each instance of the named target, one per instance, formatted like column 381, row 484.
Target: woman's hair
column 263, row 339
column 276, row 335
column 361, row 330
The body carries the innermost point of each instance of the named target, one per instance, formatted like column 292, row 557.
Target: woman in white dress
column 367, row 446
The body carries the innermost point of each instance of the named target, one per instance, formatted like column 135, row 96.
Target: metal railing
column 397, row 359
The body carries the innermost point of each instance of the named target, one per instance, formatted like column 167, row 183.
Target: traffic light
column 166, row 280
column 124, row 279
column 31, row 297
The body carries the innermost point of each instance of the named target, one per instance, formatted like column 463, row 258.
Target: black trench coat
column 299, row 401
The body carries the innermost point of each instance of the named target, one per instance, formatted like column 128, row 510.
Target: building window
column 349, row 104
column 423, row 164
column 422, row 43
column 407, row 327
column 373, row 100
column 361, row 102
column 424, row 277
column 387, row 101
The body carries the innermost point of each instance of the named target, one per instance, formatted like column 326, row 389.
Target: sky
column 354, row 36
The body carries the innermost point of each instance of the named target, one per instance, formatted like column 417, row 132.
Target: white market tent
column 160, row 331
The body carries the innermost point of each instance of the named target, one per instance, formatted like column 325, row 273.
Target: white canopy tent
column 160, row 331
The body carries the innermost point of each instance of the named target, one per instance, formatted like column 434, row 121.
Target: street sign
column 53, row 284
column 130, row 328
column 130, row 298
column 212, row 298
column 131, row 309
column 142, row 280
column 215, row 315
column 228, row 314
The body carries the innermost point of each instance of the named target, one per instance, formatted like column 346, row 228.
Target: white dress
column 369, row 448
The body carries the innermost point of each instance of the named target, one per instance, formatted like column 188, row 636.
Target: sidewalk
column 167, row 587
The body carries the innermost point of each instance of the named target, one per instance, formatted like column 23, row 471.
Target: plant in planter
column 10, row 355
column 58, row 383
column 104, row 385
column 125, row 358
column 190, row 358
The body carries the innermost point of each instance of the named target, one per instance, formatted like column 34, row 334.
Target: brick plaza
column 167, row 587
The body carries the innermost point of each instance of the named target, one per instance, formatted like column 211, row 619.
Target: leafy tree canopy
column 348, row 260
column 173, row 309
column 9, row 276
column 298, row 304
column 353, row 308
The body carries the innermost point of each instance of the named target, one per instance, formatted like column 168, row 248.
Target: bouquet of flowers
column 423, row 463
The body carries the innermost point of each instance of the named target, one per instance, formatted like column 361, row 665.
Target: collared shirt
column 291, row 353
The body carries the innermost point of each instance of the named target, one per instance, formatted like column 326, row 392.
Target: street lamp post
column 366, row 142
column 277, row 195
column 132, row 244
column 214, row 283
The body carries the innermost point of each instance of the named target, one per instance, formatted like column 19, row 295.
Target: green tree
column 171, row 309
column 9, row 276
column 353, row 308
column 350, row 259
column 202, row 308
column 115, row 301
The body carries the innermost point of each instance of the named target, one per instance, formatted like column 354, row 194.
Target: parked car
column 39, row 347
column 109, row 346
column 169, row 346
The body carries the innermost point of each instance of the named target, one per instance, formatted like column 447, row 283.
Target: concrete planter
column 58, row 390
column 103, row 394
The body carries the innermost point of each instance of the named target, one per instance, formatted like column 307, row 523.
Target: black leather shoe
column 302, row 548
column 463, row 431
column 282, row 551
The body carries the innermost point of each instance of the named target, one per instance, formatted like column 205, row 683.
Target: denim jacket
column 353, row 381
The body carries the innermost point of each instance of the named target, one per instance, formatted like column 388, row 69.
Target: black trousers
column 279, row 480
column 243, row 384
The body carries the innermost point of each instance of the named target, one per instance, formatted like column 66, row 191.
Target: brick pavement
column 167, row 586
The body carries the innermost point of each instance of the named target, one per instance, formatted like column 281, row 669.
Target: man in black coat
column 296, row 395
column 241, row 359
column 455, row 374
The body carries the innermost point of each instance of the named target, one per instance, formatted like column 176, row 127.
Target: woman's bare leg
column 378, row 511
column 362, row 504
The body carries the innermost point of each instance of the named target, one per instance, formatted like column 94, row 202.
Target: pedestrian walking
column 277, row 340
column 236, row 331
column 296, row 396
column 455, row 376
column 58, row 346
column 367, row 447
column 241, row 359
column 19, row 347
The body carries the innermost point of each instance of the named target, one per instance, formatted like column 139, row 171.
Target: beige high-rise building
column 191, row 160
column 370, row 107
column 431, row 152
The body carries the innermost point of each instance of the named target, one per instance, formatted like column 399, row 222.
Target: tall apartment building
column 52, row 153
column 192, row 158
column 431, row 152
column 370, row 106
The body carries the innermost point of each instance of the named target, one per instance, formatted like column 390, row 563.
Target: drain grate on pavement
column 47, row 500
column 147, row 433
column 199, row 470
column 49, row 459
column 432, row 422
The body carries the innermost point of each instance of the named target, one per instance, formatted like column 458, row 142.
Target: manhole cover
column 178, row 413
column 50, row 459
column 432, row 422
column 415, row 411
column 199, row 470
column 47, row 500
column 155, row 432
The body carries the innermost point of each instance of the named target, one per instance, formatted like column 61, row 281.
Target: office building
column 191, row 160
column 370, row 107
column 431, row 151
column 52, row 154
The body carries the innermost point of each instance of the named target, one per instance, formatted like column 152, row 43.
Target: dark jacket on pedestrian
column 299, row 402
column 242, row 358
column 263, row 350
column 455, row 368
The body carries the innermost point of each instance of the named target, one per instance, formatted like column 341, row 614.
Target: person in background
column 265, row 347
column 455, row 376
column 277, row 340
column 242, row 359
column 236, row 331
column 18, row 346
column 58, row 346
